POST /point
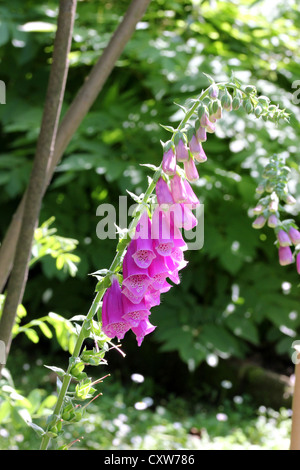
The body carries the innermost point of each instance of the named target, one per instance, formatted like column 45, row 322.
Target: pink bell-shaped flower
column 285, row 255
column 152, row 297
column 181, row 151
column 163, row 192
column 158, row 271
column 283, row 238
column 294, row 235
column 259, row 222
column 143, row 252
column 135, row 299
column 201, row 134
column 272, row 221
column 205, row 122
column 135, row 278
column 191, row 171
column 194, row 145
column 201, row 156
column 169, row 162
column 183, row 216
column 178, row 189
column 113, row 323
column 165, row 234
column 134, row 313
column 298, row 262
column 161, row 232
column 191, row 196
column 144, row 328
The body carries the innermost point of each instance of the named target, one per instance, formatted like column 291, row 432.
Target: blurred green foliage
column 130, row 419
column 234, row 299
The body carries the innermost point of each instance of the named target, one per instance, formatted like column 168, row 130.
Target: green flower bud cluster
column 267, row 210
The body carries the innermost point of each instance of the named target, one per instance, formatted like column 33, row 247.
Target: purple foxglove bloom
column 169, row 162
column 181, row 151
column 272, row 221
column 259, row 222
column 178, row 189
column 165, row 234
column 176, row 261
column 218, row 114
column 174, row 267
column 158, row 271
column 191, row 196
column 283, row 238
column 298, row 263
column 152, row 297
column 163, row 192
column 113, row 323
column 161, row 232
column 201, row 157
column 142, row 242
column 294, row 235
column 194, row 145
column 183, row 216
column 134, row 313
column 201, row 134
column 136, row 279
column 205, row 122
column 191, row 171
column 214, row 91
column 135, row 299
column 177, row 255
column 144, row 328
column 285, row 255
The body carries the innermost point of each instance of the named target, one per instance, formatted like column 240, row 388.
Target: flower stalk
column 171, row 184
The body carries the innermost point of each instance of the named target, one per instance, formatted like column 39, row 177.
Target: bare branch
column 41, row 163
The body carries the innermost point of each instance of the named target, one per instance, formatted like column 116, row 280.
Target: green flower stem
column 115, row 266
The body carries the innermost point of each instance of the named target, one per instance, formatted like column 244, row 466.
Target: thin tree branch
column 41, row 163
column 295, row 431
column 72, row 119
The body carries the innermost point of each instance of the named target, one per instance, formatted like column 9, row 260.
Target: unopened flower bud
column 181, row 150
column 283, row 238
column 258, row 209
column 213, row 91
column 236, row 103
column 285, row 255
column 248, row 106
column 194, row 145
column 260, row 189
column 226, row 101
column 169, row 160
column 250, row 89
column 298, row 263
column 258, row 110
column 272, row 221
column 190, row 169
column 294, row 235
column 259, row 222
column 273, row 206
column 264, row 100
column 200, row 132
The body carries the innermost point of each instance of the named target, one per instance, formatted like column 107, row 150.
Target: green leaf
column 168, row 128
column 60, row 372
column 40, row 431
